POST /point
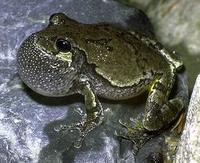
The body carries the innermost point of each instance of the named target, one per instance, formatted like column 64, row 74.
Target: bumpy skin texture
column 69, row 57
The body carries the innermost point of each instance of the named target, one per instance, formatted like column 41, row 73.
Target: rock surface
column 189, row 146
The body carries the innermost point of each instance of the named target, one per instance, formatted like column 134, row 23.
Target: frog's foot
column 138, row 135
column 158, row 117
column 86, row 127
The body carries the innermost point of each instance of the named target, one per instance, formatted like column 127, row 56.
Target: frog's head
column 47, row 61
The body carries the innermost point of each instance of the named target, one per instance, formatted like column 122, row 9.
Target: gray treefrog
column 69, row 57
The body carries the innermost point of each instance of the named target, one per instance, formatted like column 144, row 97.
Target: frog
column 68, row 57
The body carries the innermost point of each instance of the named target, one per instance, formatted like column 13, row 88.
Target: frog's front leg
column 159, row 110
column 94, row 110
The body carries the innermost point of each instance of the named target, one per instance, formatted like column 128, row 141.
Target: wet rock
column 189, row 146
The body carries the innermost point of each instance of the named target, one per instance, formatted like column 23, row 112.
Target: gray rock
column 177, row 23
column 142, row 4
column 189, row 146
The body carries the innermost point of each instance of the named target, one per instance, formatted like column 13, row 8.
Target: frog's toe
column 137, row 135
column 85, row 128
column 124, row 132
column 79, row 141
column 129, row 127
column 123, row 124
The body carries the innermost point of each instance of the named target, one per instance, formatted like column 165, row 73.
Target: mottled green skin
column 118, row 55
column 104, row 61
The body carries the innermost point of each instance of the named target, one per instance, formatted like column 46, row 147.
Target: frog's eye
column 63, row 45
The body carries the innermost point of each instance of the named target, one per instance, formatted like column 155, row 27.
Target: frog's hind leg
column 159, row 110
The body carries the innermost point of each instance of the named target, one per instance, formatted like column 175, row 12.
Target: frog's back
column 119, row 56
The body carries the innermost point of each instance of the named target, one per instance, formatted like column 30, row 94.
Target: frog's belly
column 121, row 93
column 105, row 89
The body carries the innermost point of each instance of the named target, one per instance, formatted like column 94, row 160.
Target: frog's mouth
column 43, row 72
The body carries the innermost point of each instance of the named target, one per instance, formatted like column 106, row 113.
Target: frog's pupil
column 63, row 45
